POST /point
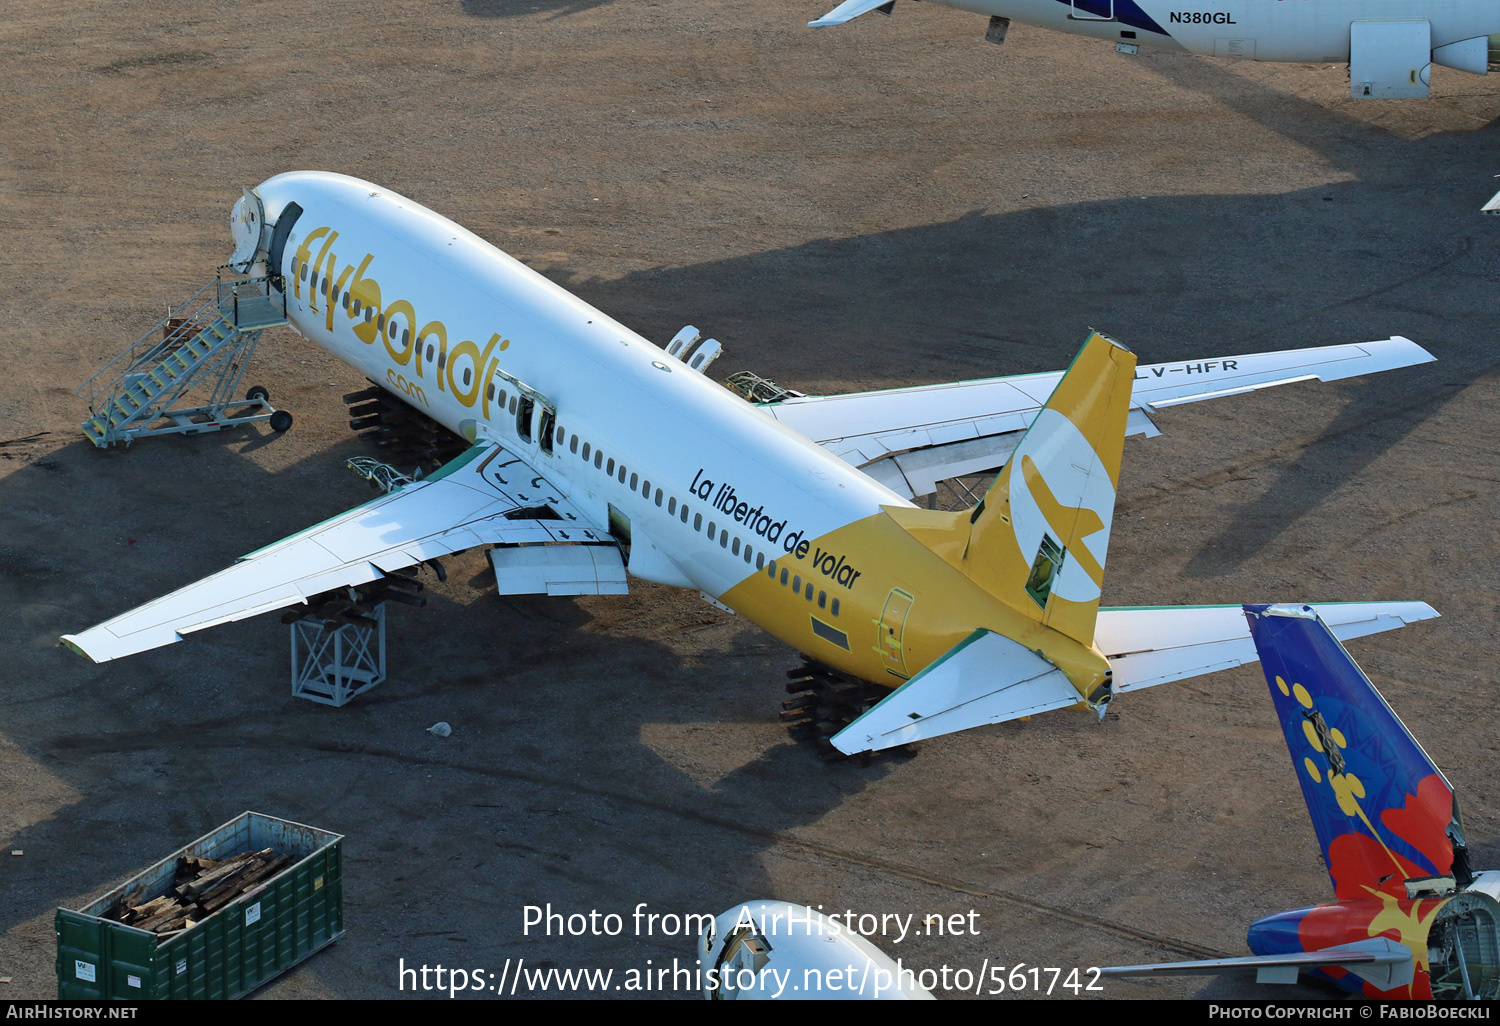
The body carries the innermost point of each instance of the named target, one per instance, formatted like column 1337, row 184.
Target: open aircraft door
column 1390, row 60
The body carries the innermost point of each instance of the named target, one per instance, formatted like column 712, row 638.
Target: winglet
column 849, row 10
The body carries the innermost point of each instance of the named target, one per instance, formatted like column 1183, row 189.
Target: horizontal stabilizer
column 1380, row 960
column 473, row 500
column 986, row 678
column 847, row 11
column 1155, row 644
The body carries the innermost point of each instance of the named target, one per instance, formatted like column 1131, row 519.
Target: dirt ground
column 891, row 202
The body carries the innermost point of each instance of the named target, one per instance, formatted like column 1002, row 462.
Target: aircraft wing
column 1152, row 645
column 848, row 11
column 1492, row 207
column 1380, row 960
column 908, row 439
column 487, row 495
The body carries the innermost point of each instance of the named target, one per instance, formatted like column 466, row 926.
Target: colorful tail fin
column 1385, row 815
column 1040, row 537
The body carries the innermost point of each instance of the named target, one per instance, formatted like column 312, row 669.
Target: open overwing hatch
column 488, row 495
column 908, row 439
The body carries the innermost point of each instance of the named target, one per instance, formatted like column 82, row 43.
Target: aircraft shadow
column 1396, row 250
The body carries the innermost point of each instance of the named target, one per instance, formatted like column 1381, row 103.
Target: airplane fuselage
column 710, row 492
column 1267, row 30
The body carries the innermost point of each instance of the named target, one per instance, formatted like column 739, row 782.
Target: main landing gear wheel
column 280, row 421
column 258, row 392
column 824, row 702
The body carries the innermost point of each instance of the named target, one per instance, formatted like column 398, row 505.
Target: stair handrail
column 153, row 345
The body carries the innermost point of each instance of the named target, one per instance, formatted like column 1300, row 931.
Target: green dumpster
column 256, row 936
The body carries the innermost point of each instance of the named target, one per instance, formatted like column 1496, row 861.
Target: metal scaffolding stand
column 201, row 347
column 332, row 666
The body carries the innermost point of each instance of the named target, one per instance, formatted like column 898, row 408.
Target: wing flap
column 986, row 678
column 447, row 513
column 1153, row 645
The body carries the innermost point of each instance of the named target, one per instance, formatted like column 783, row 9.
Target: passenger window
column 468, row 376
column 489, row 391
column 573, row 446
column 747, row 554
column 585, row 451
column 683, row 512
column 658, row 498
column 822, row 599
column 783, row 575
column 502, row 400
column 671, row 504
column 797, row 583
column 760, row 562
column 710, row 530
column 697, row 520
column 512, row 398
column 622, row 473
column 736, row 548
column 610, row 467
column 835, row 607
column 634, row 480
column 561, row 435
column 598, row 458
column 646, row 491
column 809, row 591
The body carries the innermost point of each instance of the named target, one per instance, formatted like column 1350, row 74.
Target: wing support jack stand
column 334, row 661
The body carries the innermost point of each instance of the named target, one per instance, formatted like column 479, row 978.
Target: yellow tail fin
column 1039, row 538
column 1041, row 535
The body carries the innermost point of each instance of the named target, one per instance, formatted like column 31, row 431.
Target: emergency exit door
column 891, row 629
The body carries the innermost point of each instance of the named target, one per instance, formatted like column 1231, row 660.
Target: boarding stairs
column 202, row 345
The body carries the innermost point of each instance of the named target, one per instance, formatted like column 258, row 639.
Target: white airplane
column 1389, row 45
column 594, row 453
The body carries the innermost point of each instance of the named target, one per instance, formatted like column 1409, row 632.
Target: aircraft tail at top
column 1040, row 537
column 1384, row 813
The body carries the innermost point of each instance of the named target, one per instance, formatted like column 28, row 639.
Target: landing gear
column 824, row 702
column 280, row 421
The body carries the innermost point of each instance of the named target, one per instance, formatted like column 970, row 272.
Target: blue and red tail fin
column 1384, row 813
